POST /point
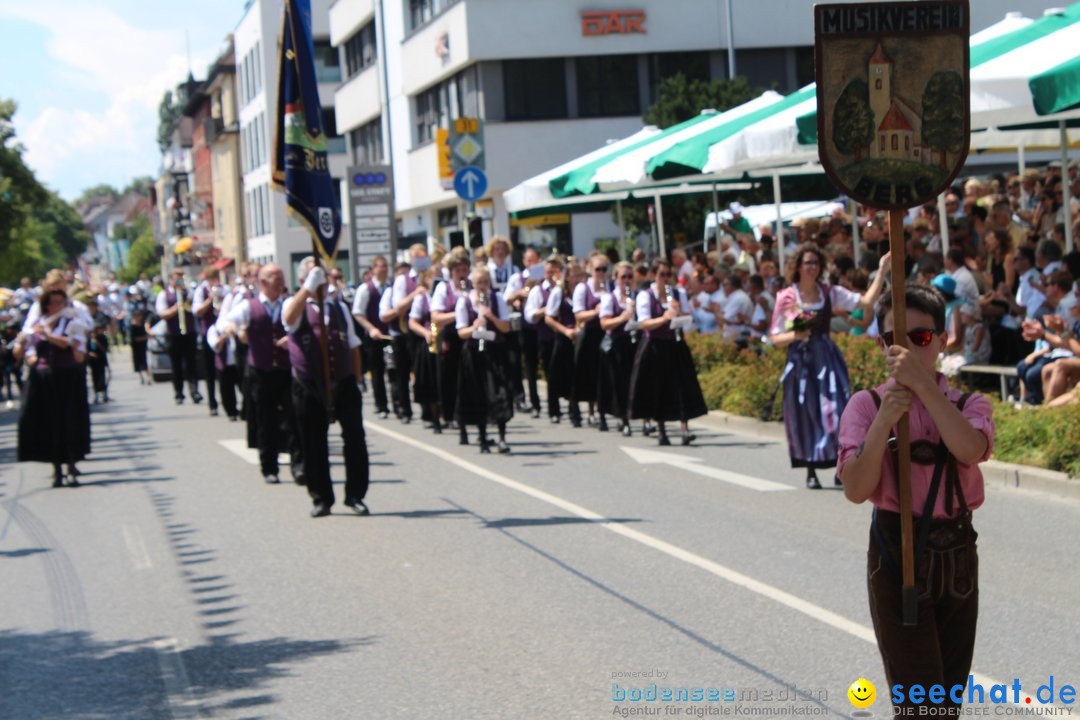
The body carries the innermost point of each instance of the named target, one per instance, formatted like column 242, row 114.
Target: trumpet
column 181, row 314
column 670, row 299
column 433, row 345
column 628, row 302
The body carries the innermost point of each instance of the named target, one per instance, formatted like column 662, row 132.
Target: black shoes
column 663, row 440
column 837, row 482
column 504, row 449
column 234, row 418
column 812, row 482
column 357, row 506
column 688, row 438
column 196, row 398
column 485, row 447
column 536, row 413
column 271, row 478
column 383, row 414
column 213, row 412
column 603, row 425
column 320, row 510
column 555, row 419
column 179, row 399
column 626, row 431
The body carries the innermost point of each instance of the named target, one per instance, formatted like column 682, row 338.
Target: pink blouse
column 855, row 423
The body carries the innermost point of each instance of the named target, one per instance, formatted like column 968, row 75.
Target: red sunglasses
column 919, row 337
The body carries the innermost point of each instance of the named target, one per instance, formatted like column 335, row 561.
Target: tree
column 140, row 185
column 99, row 190
column 143, row 255
column 679, row 99
column 853, row 123
column 64, row 225
column 170, row 110
column 943, row 113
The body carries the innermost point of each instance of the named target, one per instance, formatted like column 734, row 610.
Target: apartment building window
column 367, row 145
column 436, row 107
column 257, row 57
column 335, row 144
column 535, row 89
column 360, row 50
column 421, row 11
column 264, row 156
column 327, row 62
column 607, row 85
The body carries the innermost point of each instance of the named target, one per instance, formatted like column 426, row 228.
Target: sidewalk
column 994, row 472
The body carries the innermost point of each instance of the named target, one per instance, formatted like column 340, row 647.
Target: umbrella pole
column 779, row 220
column 622, row 230
column 856, row 233
column 716, row 219
column 1020, row 159
column 1064, row 179
column 903, row 441
column 324, row 341
column 660, row 226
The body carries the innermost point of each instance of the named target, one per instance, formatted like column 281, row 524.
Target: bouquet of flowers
column 800, row 321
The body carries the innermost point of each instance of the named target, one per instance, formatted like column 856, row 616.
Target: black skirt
column 425, row 374
column 560, row 371
column 664, row 384
column 54, row 422
column 138, row 354
column 447, row 362
column 587, row 362
column 484, row 395
column 613, row 381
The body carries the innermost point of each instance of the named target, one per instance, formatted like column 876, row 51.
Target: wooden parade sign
column 892, row 97
column 893, row 132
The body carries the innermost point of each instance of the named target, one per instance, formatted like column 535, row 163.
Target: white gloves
column 315, row 279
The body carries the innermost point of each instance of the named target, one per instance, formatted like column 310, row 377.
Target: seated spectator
column 738, row 309
column 763, row 308
column 1049, row 347
column 956, row 267
column 708, row 304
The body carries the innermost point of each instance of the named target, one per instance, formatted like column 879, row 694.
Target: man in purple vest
column 205, row 305
column 173, row 305
column 516, row 294
column 394, row 311
column 366, row 311
column 271, row 421
column 300, row 317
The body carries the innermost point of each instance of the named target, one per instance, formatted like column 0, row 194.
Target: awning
column 223, row 263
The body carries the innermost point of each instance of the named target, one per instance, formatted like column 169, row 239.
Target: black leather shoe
column 358, row 507
column 179, row 399
column 603, row 425
column 271, row 479
column 626, row 431
column 812, row 482
column 536, row 413
column 463, row 439
column 72, row 481
column 299, row 479
column 575, row 422
column 837, row 482
column 234, row 418
column 58, row 481
column 437, row 429
column 485, row 447
column 504, row 449
column 406, row 420
column 213, row 412
column 687, row 439
column 555, row 419
column 663, row 440
column 320, row 510
column 196, row 398
column 647, row 429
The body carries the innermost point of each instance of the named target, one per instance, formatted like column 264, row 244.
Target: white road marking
column 249, row 455
column 735, row 577
column 178, row 695
column 136, row 548
column 688, row 463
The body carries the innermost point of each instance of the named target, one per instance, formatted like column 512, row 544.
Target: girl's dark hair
column 797, row 258
column 659, row 263
column 47, row 296
column 924, row 298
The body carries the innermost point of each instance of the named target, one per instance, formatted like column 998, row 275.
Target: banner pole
column 903, row 440
column 324, row 341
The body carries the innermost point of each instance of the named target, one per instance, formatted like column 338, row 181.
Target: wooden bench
column 1002, row 371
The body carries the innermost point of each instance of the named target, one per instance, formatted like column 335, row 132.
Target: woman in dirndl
column 484, row 395
column 663, row 382
column 617, row 319
column 444, row 312
column 560, row 319
column 54, row 422
column 425, row 352
column 815, row 378
column 586, row 307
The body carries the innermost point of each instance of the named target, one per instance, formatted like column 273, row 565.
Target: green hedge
column 742, row 382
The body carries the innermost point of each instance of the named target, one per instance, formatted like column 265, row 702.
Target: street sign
column 470, row 183
column 465, row 143
column 373, row 226
column 446, row 167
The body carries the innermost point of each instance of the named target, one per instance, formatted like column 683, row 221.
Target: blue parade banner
column 301, row 169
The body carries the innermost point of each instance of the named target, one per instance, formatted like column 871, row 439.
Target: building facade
column 271, row 235
column 222, row 135
column 549, row 80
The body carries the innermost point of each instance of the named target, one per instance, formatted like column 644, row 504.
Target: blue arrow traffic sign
column 470, row 183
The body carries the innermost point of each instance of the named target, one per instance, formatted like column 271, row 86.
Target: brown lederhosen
column 938, row 650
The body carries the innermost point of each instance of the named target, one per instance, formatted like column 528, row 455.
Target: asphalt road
column 175, row 584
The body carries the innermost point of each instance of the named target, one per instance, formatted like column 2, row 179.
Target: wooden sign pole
column 903, row 439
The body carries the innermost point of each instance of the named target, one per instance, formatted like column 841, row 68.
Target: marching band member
column 223, row 345
column 483, row 394
column 300, row 316
column 663, row 382
column 559, row 317
column 516, row 294
column 501, row 266
column 617, row 318
column 444, row 314
column 174, row 307
column 54, row 421
column 535, row 313
column 205, row 304
column 271, row 422
column 394, row 311
column 425, row 352
column 365, row 310
column 586, row 307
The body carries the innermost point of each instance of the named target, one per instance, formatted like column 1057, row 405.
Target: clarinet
column 481, row 299
column 670, row 298
column 628, row 298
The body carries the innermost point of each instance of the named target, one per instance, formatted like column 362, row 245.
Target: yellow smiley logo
column 862, row 693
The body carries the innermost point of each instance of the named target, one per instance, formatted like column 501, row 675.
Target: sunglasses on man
column 919, row 337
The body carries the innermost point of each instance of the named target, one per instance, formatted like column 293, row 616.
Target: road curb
column 994, row 471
